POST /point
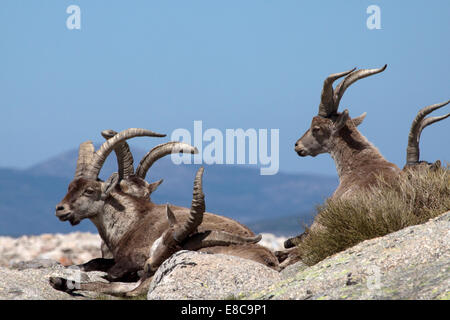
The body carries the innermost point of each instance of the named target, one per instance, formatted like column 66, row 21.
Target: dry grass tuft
column 417, row 196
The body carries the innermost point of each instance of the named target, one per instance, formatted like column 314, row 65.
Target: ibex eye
column 89, row 191
column 315, row 129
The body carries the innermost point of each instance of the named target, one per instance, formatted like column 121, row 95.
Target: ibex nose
column 301, row 151
column 61, row 211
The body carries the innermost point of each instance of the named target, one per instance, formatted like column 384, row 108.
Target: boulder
column 197, row 276
column 412, row 263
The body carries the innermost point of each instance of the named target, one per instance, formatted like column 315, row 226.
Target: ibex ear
column 358, row 120
column 153, row 186
column 170, row 216
column 109, row 184
column 341, row 120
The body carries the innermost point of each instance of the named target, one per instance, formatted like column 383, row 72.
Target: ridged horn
column 123, row 155
column 197, row 210
column 213, row 238
column 160, row 151
column 170, row 216
column 85, row 155
column 350, row 79
column 101, row 154
column 330, row 98
column 326, row 106
column 418, row 124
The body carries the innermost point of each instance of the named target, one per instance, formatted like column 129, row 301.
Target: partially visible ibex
column 418, row 124
column 130, row 225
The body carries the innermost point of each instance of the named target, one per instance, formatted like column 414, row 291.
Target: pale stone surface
column 413, row 263
column 67, row 249
column 197, row 275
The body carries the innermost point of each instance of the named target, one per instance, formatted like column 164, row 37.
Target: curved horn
column 197, row 210
column 349, row 80
column 123, row 155
column 160, row 151
column 101, row 154
column 85, row 154
column 217, row 238
column 170, row 216
column 326, row 106
column 418, row 124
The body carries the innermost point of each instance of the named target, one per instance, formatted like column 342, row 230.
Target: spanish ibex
column 358, row 162
column 131, row 225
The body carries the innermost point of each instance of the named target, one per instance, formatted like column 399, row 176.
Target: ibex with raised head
column 358, row 162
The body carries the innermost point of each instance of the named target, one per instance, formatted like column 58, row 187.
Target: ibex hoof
column 60, row 284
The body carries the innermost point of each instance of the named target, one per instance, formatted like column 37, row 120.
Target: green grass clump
column 418, row 195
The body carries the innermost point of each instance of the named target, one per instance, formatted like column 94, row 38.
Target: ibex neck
column 120, row 213
column 351, row 151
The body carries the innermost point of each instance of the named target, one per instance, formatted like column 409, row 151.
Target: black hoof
column 62, row 284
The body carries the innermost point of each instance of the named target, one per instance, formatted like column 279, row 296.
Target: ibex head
column 329, row 121
column 86, row 194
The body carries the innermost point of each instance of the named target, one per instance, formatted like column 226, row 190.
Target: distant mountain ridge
column 28, row 197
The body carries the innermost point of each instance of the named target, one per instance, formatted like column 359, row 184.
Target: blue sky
column 161, row 65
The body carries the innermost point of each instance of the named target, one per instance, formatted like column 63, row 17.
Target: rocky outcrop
column 413, row 263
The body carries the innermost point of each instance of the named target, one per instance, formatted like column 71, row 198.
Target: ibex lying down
column 358, row 162
column 418, row 124
column 136, row 230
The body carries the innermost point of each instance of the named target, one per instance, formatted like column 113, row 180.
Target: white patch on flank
column 154, row 246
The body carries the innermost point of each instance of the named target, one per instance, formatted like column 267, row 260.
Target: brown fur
column 357, row 161
column 134, row 245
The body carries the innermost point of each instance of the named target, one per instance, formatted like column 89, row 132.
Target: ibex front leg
column 98, row 264
column 119, row 289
